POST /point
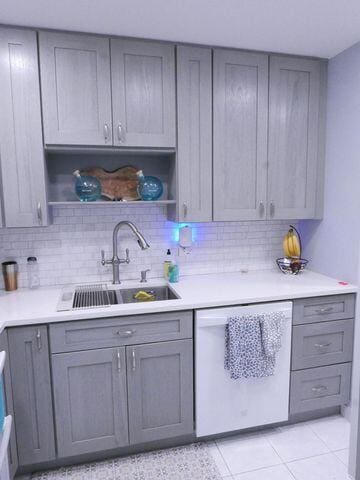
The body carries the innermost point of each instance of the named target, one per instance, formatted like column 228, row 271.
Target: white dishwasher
column 223, row 404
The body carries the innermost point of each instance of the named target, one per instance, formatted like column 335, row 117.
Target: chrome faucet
column 116, row 261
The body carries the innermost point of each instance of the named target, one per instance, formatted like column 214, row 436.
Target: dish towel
column 251, row 344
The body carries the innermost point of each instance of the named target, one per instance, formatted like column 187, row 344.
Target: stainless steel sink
column 157, row 294
column 97, row 296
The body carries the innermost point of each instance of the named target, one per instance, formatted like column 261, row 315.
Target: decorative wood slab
column 120, row 184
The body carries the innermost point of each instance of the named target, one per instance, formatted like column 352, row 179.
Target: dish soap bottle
column 168, row 261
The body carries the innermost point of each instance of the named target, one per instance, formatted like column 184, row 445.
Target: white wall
column 333, row 244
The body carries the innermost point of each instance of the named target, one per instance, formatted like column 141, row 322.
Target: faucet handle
column 127, row 259
column 103, row 261
column 143, row 275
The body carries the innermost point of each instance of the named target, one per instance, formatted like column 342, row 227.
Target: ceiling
column 319, row 28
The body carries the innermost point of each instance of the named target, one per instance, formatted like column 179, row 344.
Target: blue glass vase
column 88, row 189
column 149, row 188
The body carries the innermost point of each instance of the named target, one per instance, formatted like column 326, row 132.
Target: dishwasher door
column 223, row 404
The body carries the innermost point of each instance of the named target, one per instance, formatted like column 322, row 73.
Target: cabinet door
column 90, row 400
column 76, row 92
column 240, row 135
column 7, row 384
column 30, row 372
column 160, row 389
column 22, row 155
column 293, row 137
column 143, row 93
column 194, row 109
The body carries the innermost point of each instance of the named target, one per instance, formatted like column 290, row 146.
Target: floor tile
column 248, row 452
column 219, row 461
column 343, row 455
column 295, row 442
column 323, row 467
column 280, row 472
column 334, row 431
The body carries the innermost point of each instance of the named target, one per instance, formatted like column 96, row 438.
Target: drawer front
column 118, row 331
column 323, row 343
column 323, row 309
column 318, row 388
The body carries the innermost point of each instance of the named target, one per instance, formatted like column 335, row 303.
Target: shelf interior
column 61, row 165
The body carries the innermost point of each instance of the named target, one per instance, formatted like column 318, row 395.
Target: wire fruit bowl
column 291, row 266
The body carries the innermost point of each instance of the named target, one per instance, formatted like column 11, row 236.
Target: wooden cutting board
column 120, row 184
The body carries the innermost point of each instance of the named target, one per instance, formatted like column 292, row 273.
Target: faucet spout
column 116, row 261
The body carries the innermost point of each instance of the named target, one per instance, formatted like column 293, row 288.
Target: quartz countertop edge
column 31, row 307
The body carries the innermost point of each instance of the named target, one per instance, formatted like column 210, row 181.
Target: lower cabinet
column 160, row 388
column 90, row 397
column 31, row 384
column 9, row 403
column 95, row 389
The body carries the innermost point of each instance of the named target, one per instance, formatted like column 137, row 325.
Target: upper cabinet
column 143, row 93
column 76, row 91
column 294, row 104
column 194, row 150
column 240, row 135
column 21, row 143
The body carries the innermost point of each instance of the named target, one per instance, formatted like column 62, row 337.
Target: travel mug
column 10, row 272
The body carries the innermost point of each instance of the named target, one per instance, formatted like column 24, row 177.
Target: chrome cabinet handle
column 118, row 359
column 272, row 208
column 106, row 131
column 38, row 339
column 322, row 345
column 185, row 209
column 133, row 360
column 39, row 213
column 125, row 333
column 261, row 208
column 120, row 133
column 324, row 310
column 319, row 389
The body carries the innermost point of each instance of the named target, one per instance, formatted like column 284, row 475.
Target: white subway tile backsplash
column 68, row 251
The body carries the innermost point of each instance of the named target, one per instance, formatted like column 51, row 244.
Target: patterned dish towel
column 251, row 344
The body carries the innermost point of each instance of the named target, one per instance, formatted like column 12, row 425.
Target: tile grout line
column 323, row 441
column 221, row 455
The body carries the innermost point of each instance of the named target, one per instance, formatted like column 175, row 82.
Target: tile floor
column 316, row 450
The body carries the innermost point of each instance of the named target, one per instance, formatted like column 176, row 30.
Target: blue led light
column 178, row 226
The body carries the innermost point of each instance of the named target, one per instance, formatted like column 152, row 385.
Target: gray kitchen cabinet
column 9, row 404
column 90, row 400
column 76, row 89
column 22, row 156
column 323, row 309
column 317, row 388
column 294, row 116
column 323, row 343
column 194, row 151
column 160, row 389
column 240, row 135
column 31, row 382
column 120, row 331
column 143, row 93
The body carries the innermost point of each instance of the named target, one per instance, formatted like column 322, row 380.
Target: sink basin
column 157, row 293
column 95, row 296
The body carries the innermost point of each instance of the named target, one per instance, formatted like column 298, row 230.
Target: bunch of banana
column 291, row 243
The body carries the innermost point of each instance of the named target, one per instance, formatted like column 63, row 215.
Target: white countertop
column 25, row 307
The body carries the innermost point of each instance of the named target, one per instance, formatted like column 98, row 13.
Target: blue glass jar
column 149, row 188
column 88, row 189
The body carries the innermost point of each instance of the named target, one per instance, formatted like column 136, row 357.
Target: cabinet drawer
column 322, row 343
column 117, row 331
column 318, row 388
column 322, row 309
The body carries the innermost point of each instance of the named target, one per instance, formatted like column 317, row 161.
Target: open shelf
column 105, row 202
column 61, row 163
